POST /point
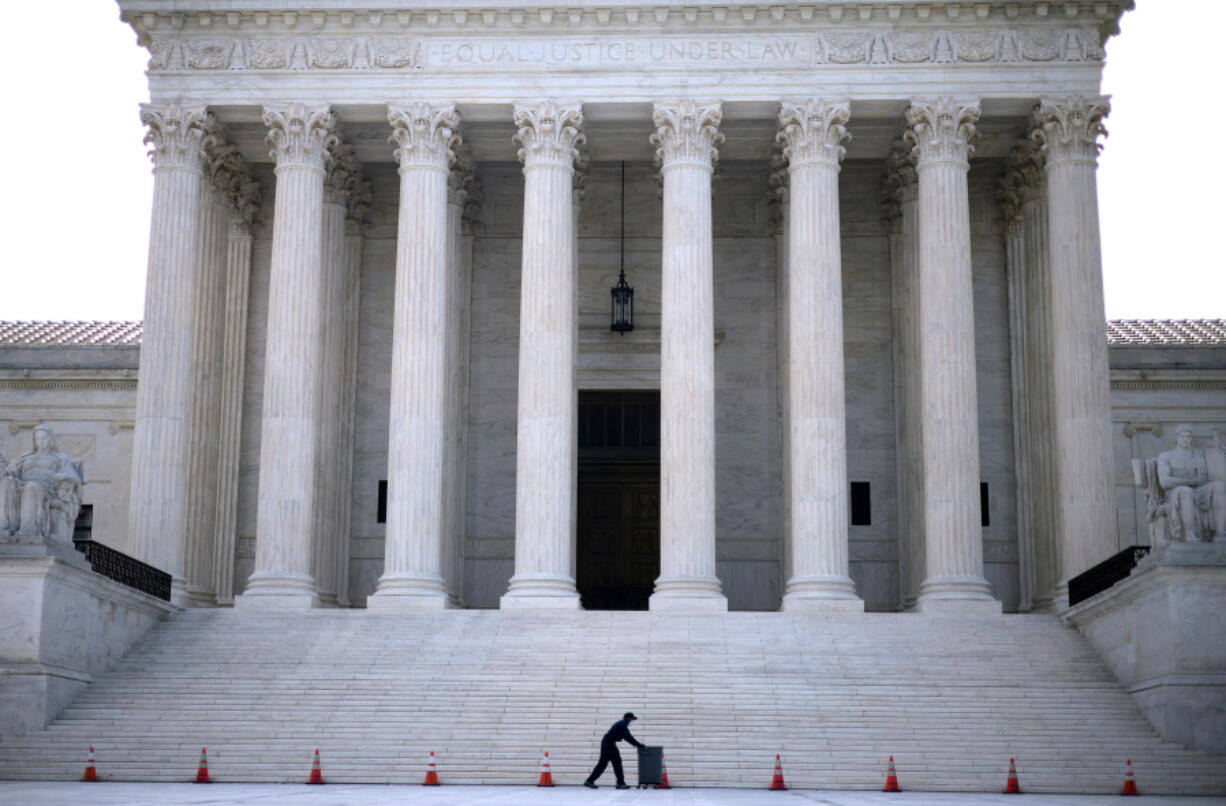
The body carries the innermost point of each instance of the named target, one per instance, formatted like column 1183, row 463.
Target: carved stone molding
column 942, row 130
column 1067, row 130
column 299, row 134
column 687, row 132
column 424, row 135
column 1131, row 429
column 548, row 133
column 814, row 131
column 177, row 134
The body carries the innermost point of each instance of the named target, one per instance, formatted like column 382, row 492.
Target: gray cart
column 651, row 766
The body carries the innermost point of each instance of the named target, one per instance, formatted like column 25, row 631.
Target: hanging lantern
column 622, row 314
column 623, row 306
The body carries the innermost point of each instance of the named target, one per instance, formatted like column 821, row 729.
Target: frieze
column 188, row 53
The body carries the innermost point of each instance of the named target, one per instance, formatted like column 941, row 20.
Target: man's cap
column 628, row 716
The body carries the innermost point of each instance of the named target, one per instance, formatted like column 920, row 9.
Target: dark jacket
column 620, row 732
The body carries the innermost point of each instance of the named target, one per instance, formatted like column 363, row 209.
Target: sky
column 75, row 220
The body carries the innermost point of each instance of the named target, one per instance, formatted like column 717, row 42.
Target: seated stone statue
column 1186, row 491
column 40, row 493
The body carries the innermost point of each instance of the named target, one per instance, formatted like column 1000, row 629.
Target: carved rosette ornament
column 548, row 133
column 300, row 135
column 424, row 135
column 687, row 132
column 1068, row 130
column 814, row 131
column 177, row 134
column 942, row 130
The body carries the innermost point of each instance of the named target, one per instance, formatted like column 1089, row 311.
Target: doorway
column 618, row 552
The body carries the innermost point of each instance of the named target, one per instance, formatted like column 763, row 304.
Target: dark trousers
column 608, row 752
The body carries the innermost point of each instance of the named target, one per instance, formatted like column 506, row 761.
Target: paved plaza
column 131, row 794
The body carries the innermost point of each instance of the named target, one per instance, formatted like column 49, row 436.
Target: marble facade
column 844, row 243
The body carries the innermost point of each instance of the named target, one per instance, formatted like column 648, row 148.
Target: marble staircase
column 952, row 698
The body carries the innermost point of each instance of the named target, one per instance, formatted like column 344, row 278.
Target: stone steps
column 951, row 698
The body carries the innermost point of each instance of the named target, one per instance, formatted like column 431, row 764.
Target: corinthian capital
column 814, row 131
column 343, row 175
column 548, row 133
column 942, row 130
column 1067, row 130
column 461, row 176
column 687, row 132
column 424, row 135
column 899, row 184
column 177, row 134
column 299, row 134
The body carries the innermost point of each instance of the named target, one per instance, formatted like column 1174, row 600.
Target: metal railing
column 124, row 569
column 1102, row 576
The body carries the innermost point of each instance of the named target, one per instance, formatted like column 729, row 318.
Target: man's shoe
column 622, row 786
column 590, row 785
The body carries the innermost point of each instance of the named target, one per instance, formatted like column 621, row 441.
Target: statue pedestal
column 1160, row 631
column 63, row 625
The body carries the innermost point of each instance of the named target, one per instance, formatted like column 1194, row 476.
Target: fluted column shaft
column 205, row 423
column 158, row 503
column 814, row 133
column 547, row 449
column 412, row 568
column 943, row 134
column 300, row 137
column 1015, row 269
column 233, row 365
column 687, row 135
column 348, row 398
column 1068, row 131
column 458, row 182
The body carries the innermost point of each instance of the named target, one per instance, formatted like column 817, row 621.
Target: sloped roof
column 74, row 334
column 1166, row 332
column 1120, row 333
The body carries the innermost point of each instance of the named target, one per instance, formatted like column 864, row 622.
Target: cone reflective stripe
column 1130, row 783
column 202, row 773
column 91, row 774
column 1012, row 787
column 317, row 776
column 777, row 779
column 891, row 779
column 431, row 772
column 546, row 775
column 663, row 774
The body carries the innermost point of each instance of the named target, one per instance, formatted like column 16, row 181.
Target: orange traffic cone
column 317, row 776
column 1130, row 783
column 777, row 780
column 891, row 779
column 431, row 773
column 90, row 773
column 663, row 775
column 1012, row 787
column 546, row 775
column 202, row 774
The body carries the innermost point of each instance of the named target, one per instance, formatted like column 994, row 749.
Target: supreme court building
column 868, row 363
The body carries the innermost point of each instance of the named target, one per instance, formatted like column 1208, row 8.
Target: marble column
column 813, row 133
column 943, row 134
column 902, row 197
column 344, row 173
column 245, row 206
column 459, row 182
column 780, row 212
column 547, row 440
column 686, row 137
column 416, row 521
column 1068, row 132
column 1008, row 195
column 224, row 165
column 157, row 514
column 300, row 137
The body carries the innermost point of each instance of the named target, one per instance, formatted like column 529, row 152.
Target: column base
column 692, row 594
column 409, row 592
column 546, row 591
column 278, row 592
column 829, row 593
column 956, row 594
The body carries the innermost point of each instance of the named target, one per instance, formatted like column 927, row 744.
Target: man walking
column 620, row 732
